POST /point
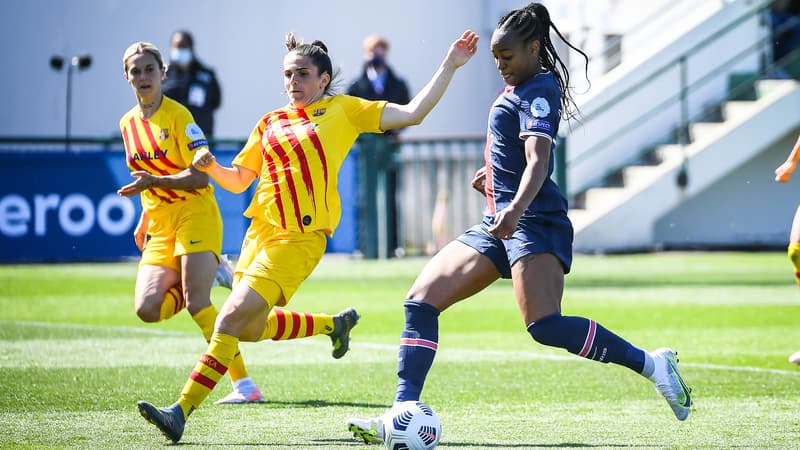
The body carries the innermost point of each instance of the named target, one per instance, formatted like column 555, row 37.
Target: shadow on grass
column 318, row 404
column 351, row 442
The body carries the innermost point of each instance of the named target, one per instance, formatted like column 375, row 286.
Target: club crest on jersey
column 540, row 107
column 194, row 132
column 163, row 134
column 318, row 112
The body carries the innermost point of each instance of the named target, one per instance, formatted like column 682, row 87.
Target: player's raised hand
column 463, row 48
column 784, row 171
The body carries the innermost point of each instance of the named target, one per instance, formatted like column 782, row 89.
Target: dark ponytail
column 533, row 23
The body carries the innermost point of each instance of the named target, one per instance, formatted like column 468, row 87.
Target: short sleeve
column 539, row 115
column 364, row 115
column 189, row 135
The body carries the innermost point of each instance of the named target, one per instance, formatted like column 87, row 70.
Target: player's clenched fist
column 203, row 160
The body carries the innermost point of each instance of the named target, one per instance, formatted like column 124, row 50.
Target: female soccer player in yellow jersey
column 295, row 152
column 180, row 229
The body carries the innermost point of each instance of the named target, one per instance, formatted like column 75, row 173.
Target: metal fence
column 435, row 201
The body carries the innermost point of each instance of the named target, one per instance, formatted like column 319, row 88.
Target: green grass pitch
column 74, row 359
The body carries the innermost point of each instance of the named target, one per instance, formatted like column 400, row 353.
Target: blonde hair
column 370, row 42
column 142, row 47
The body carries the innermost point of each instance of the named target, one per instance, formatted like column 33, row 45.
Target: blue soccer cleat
column 169, row 420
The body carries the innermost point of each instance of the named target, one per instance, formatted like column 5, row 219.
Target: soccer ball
column 411, row 425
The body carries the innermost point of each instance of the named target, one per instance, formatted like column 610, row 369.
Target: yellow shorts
column 193, row 226
column 272, row 255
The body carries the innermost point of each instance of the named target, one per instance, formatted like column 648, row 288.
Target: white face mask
column 180, row 56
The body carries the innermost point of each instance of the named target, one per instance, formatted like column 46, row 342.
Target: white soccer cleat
column 794, row 358
column 224, row 275
column 237, row 397
column 669, row 382
column 370, row 430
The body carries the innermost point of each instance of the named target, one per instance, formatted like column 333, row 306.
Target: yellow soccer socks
column 283, row 325
column 173, row 302
column 205, row 320
column 210, row 368
column 794, row 257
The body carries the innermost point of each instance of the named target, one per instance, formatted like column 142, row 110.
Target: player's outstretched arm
column 398, row 116
column 185, row 179
column 235, row 179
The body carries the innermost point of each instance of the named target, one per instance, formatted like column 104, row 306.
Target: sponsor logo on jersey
column 540, row 107
column 198, row 143
column 163, row 134
column 318, row 112
column 538, row 123
column 150, row 156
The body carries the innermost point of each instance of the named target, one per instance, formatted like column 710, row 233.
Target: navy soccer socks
column 587, row 338
column 418, row 344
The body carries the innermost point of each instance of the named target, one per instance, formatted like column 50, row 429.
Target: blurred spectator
column 378, row 82
column 191, row 83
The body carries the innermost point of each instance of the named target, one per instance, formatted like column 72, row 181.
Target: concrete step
column 636, row 176
column 706, row 131
column 669, row 152
column 602, row 198
column 735, row 110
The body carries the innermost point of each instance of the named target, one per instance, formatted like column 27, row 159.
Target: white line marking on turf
column 534, row 355
column 77, row 326
column 386, row 347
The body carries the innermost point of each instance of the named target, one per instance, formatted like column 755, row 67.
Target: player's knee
column 149, row 312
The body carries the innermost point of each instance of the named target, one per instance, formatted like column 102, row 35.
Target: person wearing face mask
column 378, row 81
column 191, row 83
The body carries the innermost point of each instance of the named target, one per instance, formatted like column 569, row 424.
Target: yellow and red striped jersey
column 298, row 153
column 163, row 145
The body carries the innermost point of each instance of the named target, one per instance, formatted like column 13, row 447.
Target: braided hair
column 533, row 23
column 318, row 52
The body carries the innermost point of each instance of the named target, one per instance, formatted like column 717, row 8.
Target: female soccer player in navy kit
column 525, row 234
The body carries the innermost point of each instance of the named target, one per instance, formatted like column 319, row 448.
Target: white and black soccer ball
column 411, row 425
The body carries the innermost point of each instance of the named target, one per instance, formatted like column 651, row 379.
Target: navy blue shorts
column 542, row 233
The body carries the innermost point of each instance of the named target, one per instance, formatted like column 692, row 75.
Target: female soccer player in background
column 782, row 175
column 525, row 234
column 295, row 152
column 180, row 229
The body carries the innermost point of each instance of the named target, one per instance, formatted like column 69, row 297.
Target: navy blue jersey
column 530, row 109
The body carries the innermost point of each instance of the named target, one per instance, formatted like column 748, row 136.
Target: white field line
column 471, row 353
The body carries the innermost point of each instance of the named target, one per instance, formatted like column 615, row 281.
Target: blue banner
column 63, row 206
